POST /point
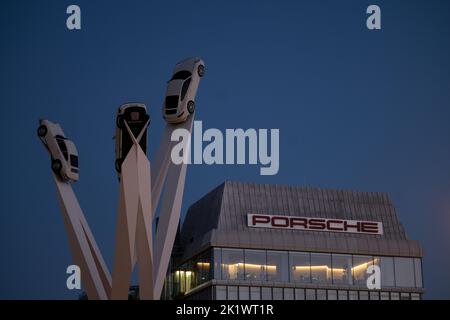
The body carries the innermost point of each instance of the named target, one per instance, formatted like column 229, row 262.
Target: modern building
column 258, row 241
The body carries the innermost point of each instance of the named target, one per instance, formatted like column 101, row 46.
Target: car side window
column 185, row 88
column 181, row 75
column 62, row 146
column 74, row 161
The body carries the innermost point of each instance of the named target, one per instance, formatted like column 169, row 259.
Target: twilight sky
column 357, row 109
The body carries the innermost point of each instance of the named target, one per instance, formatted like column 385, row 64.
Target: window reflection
column 300, row 267
column 360, row 265
column 320, row 268
column 217, row 259
column 232, row 264
column 255, row 265
column 279, row 260
column 404, row 272
column 418, row 272
column 386, row 265
column 342, row 269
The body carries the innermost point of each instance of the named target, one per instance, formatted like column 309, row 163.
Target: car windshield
column 181, row 75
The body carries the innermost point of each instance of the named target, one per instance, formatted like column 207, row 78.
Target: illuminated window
column 217, row 259
column 184, row 280
column 255, row 265
column 232, row 264
column 201, row 269
column 300, row 267
column 360, row 265
column 321, row 268
column 342, row 269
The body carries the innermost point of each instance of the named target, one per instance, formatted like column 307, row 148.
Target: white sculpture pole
column 95, row 276
column 134, row 225
column 171, row 206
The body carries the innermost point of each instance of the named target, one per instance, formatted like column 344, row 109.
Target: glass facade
column 232, row 264
column 332, row 271
column 300, row 267
column 275, row 293
column 321, row 268
column 342, row 269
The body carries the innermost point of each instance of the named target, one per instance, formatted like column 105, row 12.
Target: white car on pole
column 64, row 154
column 179, row 102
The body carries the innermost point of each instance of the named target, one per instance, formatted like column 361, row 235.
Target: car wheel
column 191, row 107
column 201, row 70
column 42, row 131
column 56, row 166
column 118, row 165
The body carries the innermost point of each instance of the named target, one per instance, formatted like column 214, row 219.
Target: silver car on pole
column 63, row 152
column 179, row 102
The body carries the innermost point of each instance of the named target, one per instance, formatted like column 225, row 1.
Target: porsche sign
column 313, row 224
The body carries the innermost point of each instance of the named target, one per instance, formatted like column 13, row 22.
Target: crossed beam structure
column 141, row 187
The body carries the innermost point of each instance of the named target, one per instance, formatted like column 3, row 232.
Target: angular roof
column 220, row 219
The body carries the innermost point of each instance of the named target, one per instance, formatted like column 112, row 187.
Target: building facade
column 262, row 242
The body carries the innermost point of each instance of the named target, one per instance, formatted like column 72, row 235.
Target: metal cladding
column 220, row 219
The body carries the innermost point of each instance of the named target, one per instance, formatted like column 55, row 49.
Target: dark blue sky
column 357, row 109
